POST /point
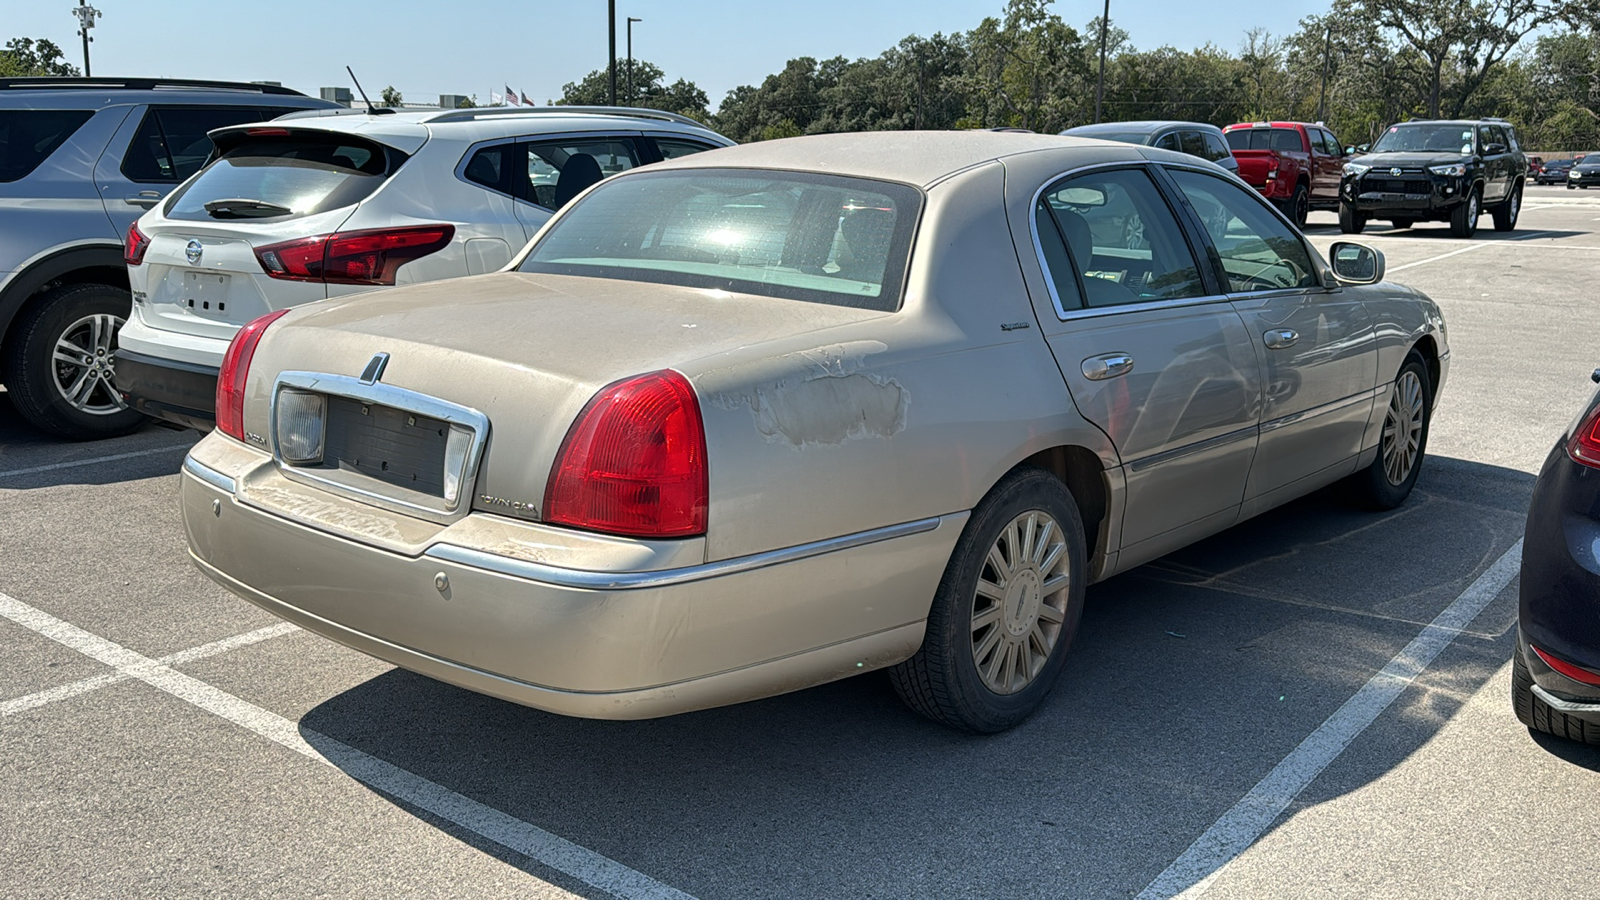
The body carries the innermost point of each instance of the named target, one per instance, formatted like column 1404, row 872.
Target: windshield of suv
column 1592, row 159
column 799, row 236
column 29, row 136
column 305, row 174
column 1429, row 138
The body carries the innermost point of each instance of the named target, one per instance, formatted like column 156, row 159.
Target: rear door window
column 1287, row 140
column 557, row 171
column 673, row 148
column 283, row 177
column 171, row 142
column 1192, row 143
column 1215, row 148
column 1168, row 141
column 29, row 136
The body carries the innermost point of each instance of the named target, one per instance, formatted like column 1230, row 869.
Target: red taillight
column 634, row 463
column 134, row 245
column 1568, row 669
column 1585, row 444
column 355, row 257
column 267, row 132
column 235, row 369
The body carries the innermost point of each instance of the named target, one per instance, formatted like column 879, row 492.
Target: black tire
column 1505, row 215
column 942, row 681
column 1375, row 486
column 1539, row 715
column 1402, row 223
column 32, row 372
column 1464, row 218
column 1298, row 206
column 1571, row 186
column 1350, row 221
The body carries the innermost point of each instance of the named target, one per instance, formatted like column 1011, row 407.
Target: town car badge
column 192, row 252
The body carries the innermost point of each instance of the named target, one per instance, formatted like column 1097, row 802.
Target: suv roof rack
column 480, row 112
column 142, row 84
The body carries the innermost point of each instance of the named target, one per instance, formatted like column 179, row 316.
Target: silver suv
column 316, row 205
column 80, row 160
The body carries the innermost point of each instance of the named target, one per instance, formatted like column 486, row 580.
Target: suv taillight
column 235, row 369
column 353, row 257
column 134, row 245
column 1585, row 444
column 634, row 462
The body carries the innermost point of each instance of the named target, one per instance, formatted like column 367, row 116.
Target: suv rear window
column 304, row 174
column 799, row 236
column 1280, row 139
column 29, row 136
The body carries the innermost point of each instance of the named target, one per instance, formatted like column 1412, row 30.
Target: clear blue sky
column 473, row 46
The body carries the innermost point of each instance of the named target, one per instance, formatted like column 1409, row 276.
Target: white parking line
column 507, row 831
column 93, row 460
column 95, row 682
column 1192, row 874
column 1467, row 249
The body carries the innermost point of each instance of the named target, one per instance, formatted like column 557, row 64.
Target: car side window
column 1287, row 140
column 1192, row 143
column 1485, row 138
column 1058, row 265
column 171, row 142
column 1121, row 237
column 491, row 167
column 1259, row 251
column 1216, row 147
column 1168, row 141
column 674, row 148
column 557, row 171
column 1498, row 134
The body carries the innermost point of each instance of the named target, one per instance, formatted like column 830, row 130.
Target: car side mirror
column 1495, row 149
column 1356, row 263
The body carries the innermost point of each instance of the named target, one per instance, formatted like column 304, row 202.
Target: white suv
column 322, row 204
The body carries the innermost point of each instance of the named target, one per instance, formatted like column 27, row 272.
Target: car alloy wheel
column 85, row 359
column 1020, row 602
column 1402, row 428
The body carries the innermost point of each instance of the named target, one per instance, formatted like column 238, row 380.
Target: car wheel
column 1300, row 206
column 1402, row 223
column 1006, row 609
column 1505, row 215
column 1571, row 186
column 1350, row 221
column 1464, row 218
column 61, row 360
column 1387, row 482
column 1539, row 715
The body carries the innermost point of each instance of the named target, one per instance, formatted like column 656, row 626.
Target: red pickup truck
column 1296, row 165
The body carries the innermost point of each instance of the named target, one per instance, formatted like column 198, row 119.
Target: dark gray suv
column 80, row 160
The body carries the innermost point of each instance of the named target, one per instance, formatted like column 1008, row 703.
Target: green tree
column 650, row 91
column 1027, row 69
column 390, row 97
column 24, row 57
column 468, row 102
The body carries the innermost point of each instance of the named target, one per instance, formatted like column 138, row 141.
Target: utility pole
column 1100, row 80
column 613, row 55
column 86, row 15
column 1327, row 49
column 631, row 20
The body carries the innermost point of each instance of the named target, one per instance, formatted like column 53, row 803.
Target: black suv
column 80, row 160
column 1446, row 171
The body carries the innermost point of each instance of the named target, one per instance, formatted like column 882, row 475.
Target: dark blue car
column 1555, row 678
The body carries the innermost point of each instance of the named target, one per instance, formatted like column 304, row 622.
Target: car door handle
column 1110, row 365
column 145, row 199
column 1281, row 338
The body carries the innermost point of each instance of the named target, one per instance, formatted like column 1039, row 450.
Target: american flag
column 511, row 96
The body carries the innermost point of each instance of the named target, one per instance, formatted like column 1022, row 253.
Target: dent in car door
column 1318, row 353
column 1167, row 372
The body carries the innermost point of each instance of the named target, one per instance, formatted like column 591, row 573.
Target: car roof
column 912, row 157
column 98, row 93
column 1140, row 125
column 403, row 129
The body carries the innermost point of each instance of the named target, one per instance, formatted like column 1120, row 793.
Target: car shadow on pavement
column 1190, row 679
column 1440, row 231
column 29, row 458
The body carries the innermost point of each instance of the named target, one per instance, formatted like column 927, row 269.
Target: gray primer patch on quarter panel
column 830, row 409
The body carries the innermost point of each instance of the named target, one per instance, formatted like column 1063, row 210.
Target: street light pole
column 631, row 20
column 1100, row 79
column 86, row 15
column 612, row 4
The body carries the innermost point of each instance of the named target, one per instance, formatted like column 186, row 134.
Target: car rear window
column 798, row 236
column 1279, row 139
column 303, row 173
column 29, row 136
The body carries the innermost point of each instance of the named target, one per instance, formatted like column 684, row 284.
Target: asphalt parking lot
column 1312, row 704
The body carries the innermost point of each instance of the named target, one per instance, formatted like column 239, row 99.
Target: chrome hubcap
column 84, row 363
column 1472, row 208
column 1516, row 205
column 1020, row 602
column 1402, row 429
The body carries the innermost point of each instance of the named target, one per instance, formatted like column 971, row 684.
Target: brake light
column 235, row 369
column 134, row 245
column 372, row 256
column 634, row 462
column 1576, row 673
column 267, row 132
column 1585, row 444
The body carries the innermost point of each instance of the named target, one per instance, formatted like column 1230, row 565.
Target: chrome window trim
column 589, row 579
column 1088, row 312
column 209, row 475
column 380, row 394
